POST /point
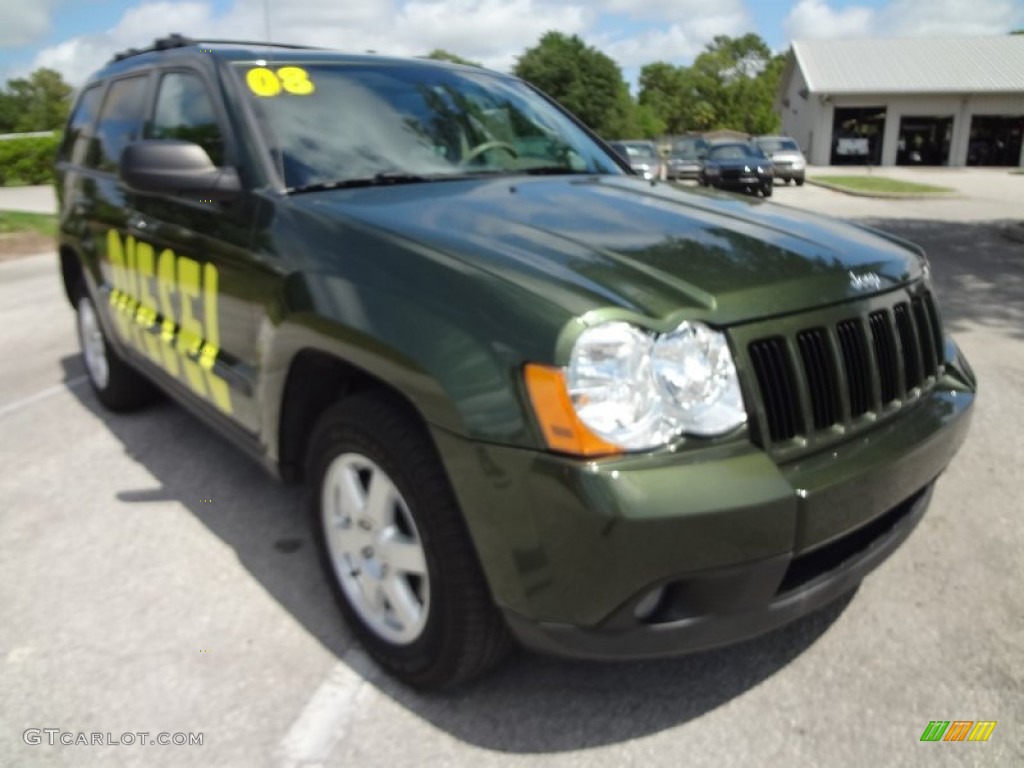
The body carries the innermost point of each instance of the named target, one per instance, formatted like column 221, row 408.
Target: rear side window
column 76, row 137
column 184, row 110
column 119, row 124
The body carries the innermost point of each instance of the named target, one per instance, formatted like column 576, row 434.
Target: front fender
column 457, row 376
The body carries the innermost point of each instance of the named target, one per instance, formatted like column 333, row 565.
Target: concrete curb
column 885, row 195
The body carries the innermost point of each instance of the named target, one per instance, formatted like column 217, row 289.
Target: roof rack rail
column 180, row 41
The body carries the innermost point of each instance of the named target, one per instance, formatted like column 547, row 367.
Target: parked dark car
column 737, row 165
column 642, row 156
column 686, row 158
column 535, row 398
column 787, row 159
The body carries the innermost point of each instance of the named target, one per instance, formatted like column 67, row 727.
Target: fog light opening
column 649, row 604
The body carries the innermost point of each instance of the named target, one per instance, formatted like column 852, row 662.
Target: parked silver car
column 642, row 156
column 685, row 160
column 785, row 154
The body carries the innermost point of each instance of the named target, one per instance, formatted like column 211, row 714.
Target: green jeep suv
column 537, row 399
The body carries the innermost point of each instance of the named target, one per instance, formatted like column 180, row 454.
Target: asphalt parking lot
column 152, row 579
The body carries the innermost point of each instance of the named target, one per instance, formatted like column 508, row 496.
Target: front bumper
column 738, row 543
column 744, row 181
column 785, row 172
column 684, row 172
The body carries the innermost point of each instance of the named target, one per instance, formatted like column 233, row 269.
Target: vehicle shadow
column 530, row 704
column 978, row 272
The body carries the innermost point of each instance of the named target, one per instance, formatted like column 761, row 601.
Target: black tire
column 122, row 388
column 463, row 633
column 766, row 190
column 788, row 180
column 799, row 182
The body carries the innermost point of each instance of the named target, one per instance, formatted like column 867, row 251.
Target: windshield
column 644, row 151
column 778, row 145
column 337, row 122
column 729, row 152
column 688, row 149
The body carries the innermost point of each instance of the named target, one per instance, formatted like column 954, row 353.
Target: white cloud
column 687, row 26
column 952, row 18
column 817, row 19
column 671, row 10
column 24, row 23
column 676, row 43
column 491, row 31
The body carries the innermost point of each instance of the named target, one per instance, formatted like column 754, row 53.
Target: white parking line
column 325, row 718
column 16, row 405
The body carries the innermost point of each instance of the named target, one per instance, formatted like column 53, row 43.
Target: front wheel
column 800, row 181
column 766, row 190
column 395, row 548
column 116, row 384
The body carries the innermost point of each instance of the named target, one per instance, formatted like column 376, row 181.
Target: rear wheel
column 116, row 384
column 395, row 548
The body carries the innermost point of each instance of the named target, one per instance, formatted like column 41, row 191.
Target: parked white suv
column 785, row 154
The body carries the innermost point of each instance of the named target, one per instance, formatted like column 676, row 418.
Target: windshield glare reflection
column 362, row 121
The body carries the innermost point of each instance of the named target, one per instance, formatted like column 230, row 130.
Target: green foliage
column 879, row 184
column 442, row 55
column 28, row 160
column 585, row 81
column 14, row 221
column 39, row 102
column 731, row 84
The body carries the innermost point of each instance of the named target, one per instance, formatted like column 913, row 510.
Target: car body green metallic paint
column 445, row 290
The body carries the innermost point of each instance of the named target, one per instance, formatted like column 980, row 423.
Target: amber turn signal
column 563, row 430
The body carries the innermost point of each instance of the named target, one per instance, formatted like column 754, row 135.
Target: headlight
column 638, row 391
column 696, row 377
column 611, row 385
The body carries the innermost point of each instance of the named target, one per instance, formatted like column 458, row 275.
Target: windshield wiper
column 383, row 178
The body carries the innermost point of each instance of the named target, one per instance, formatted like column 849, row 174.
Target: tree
column 442, row 55
column 731, row 84
column 661, row 92
column 585, row 81
column 39, row 102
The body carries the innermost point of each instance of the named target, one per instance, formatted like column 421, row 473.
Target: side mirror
column 173, row 167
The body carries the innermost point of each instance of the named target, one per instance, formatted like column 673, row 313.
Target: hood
column 586, row 243
column 787, row 156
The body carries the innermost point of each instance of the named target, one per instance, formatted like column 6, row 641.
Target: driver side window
column 185, row 111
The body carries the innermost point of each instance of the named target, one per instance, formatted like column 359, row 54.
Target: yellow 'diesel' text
column 166, row 308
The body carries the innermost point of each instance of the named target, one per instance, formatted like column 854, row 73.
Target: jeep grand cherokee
column 535, row 396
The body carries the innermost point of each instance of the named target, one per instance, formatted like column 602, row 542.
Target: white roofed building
column 916, row 101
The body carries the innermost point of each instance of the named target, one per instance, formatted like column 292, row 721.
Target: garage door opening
column 995, row 140
column 857, row 135
column 924, row 141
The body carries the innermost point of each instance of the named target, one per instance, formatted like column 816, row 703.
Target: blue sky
column 76, row 36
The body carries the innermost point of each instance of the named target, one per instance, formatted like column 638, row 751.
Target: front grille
column 834, row 374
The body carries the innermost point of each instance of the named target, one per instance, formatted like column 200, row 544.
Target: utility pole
column 266, row 19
